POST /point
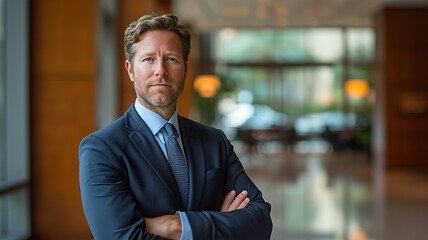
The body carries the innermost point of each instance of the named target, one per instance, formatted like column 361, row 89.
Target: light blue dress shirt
column 155, row 122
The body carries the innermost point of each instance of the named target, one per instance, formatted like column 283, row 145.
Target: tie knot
column 170, row 130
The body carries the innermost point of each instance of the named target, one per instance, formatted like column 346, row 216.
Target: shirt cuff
column 186, row 233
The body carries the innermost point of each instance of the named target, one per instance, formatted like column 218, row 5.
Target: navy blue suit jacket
column 125, row 177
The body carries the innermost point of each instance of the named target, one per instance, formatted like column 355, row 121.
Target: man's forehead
column 167, row 42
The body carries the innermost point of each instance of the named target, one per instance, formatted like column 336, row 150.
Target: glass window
column 14, row 160
column 311, row 89
column 2, row 92
column 299, row 72
column 253, row 45
column 252, row 79
column 360, row 44
column 2, row 135
column 312, row 44
column 297, row 45
column 291, row 90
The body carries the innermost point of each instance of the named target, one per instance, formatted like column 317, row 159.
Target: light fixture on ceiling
column 207, row 85
column 357, row 88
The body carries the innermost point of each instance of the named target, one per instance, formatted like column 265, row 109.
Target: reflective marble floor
column 317, row 194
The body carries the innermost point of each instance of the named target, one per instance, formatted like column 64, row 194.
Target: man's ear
column 128, row 67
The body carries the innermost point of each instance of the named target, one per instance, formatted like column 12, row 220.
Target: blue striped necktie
column 177, row 161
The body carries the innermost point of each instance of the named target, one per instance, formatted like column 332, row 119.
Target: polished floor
column 318, row 194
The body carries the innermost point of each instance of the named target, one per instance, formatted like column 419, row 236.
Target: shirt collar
column 154, row 121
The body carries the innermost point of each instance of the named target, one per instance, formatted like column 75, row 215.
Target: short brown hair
column 152, row 22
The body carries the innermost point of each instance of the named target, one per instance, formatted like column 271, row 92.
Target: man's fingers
column 228, row 200
column 244, row 203
column 238, row 201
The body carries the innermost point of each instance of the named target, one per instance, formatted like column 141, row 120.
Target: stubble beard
column 162, row 101
column 158, row 100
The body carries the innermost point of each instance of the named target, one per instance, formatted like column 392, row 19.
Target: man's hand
column 169, row 226
column 233, row 202
column 166, row 226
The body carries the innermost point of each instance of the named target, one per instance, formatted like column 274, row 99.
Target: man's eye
column 148, row 59
column 172, row 59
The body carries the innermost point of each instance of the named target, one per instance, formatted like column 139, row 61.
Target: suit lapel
column 147, row 146
column 194, row 151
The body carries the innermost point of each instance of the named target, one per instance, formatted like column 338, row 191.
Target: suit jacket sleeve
column 251, row 222
column 109, row 205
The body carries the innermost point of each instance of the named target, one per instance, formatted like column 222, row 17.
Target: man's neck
column 166, row 112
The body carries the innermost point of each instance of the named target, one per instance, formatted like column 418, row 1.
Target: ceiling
column 205, row 15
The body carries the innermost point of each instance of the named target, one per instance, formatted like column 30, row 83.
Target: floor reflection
column 319, row 194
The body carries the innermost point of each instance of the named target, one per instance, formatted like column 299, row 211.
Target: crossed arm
column 169, row 226
column 113, row 212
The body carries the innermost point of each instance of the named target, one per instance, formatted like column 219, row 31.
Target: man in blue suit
column 129, row 188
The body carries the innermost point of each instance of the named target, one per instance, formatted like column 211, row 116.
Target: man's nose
column 160, row 70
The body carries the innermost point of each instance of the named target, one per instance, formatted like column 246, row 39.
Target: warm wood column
column 62, row 82
column 401, row 111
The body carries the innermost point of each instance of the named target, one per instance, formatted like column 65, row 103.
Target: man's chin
column 160, row 103
column 159, row 100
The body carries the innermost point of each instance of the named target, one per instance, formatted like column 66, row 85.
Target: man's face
column 158, row 69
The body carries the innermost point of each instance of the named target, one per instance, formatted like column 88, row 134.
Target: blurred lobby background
column 325, row 101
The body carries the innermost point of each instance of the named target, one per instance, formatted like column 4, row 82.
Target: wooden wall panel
column 403, row 56
column 62, row 89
